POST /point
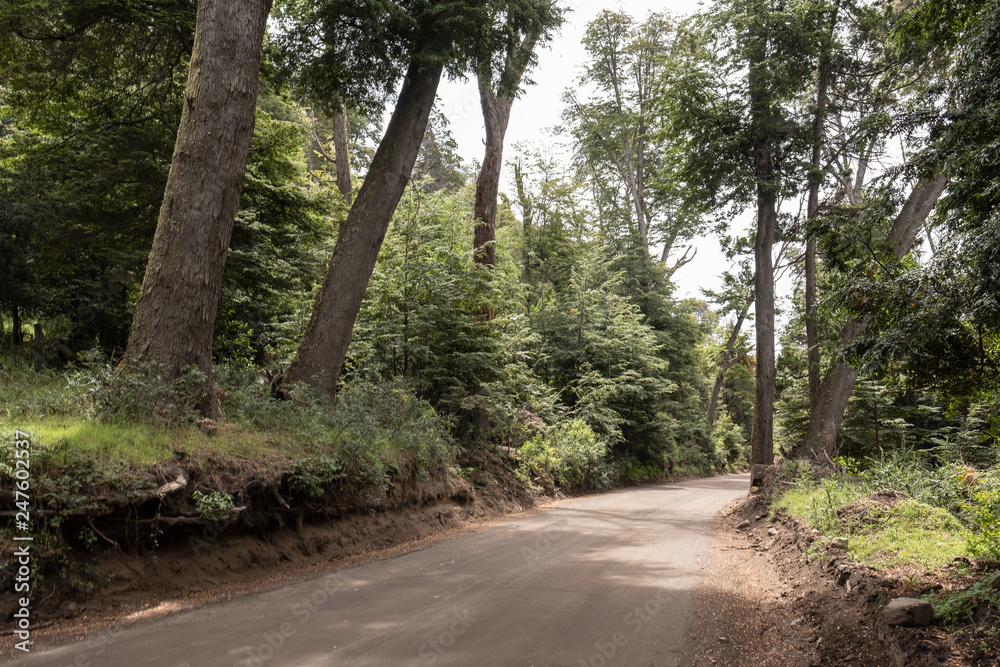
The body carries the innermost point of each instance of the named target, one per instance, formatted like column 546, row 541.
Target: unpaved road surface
column 602, row 580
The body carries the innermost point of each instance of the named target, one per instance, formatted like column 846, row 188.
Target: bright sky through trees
column 537, row 112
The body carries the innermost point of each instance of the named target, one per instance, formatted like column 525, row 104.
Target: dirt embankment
column 780, row 596
column 120, row 557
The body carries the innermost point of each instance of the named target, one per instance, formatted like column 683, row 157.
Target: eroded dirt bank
column 778, row 597
column 120, row 557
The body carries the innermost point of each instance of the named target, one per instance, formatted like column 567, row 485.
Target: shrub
column 571, row 453
column 985, row 538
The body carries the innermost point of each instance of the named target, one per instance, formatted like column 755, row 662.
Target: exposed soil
column 780, row 596
column 270, row 537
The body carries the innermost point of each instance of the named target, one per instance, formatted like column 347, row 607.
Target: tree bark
column 762, row 434
column 496, row 115
column 175, row 313
column 328, row 335
column 825, row 73
column 835, row 391
column 341, row 150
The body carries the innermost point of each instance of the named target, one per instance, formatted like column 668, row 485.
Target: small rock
column 839, row 543
column 723, row 639
column 797, row 622
column 909, row 613
column 70, row 607
column 744, row 525
column 772, row 531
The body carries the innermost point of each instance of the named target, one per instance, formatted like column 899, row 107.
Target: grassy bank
column 935, row 525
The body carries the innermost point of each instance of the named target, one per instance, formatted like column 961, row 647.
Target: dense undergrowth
column 936, row 524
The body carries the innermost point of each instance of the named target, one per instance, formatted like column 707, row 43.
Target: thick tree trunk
column 815, row 181
column 324, row 347
column 175, row 313
column 496, row 113
column 341, row 150
column 835, row 392
column 762, row 434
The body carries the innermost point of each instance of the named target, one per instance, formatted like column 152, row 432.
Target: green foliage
column 312, row 476
column 957, row 607
column 985, row 539
column 212, row 506
column 142, row 393
column 730, row 444
column 571, row 453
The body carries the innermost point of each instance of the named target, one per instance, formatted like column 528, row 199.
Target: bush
column 571, row 453
column 985, row 538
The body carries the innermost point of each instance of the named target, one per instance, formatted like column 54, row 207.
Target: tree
column 435, row 35
column 497, row 90
column 617, row 127
column 176, row 310
column 729, row 109
column 835, row 391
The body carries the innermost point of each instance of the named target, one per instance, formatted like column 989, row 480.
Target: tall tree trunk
column 496, row 115
column 341, row 150
column 762, row 434
column 324, row 347
column 835, row 391
column 175, row 313
column 764, row 122
column 815, row 181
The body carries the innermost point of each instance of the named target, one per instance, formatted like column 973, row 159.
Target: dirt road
column 603, row 580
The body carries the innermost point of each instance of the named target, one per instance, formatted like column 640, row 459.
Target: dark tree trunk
column 175, row 314
column 324, row 347
column 835, row 391
column 496, row 113
column 815, row 181
column 341, row 150
column 762, row 434
column 16, row 335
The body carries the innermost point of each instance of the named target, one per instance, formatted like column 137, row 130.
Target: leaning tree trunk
column 324, row 347
column 729, row 359
column 175, row 313
column 835, row 391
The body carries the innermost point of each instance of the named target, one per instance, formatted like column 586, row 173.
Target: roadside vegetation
column 352, row 333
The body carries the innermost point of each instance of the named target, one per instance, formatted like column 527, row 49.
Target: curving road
column 602, row 580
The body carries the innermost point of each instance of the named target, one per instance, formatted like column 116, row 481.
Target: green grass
column 909, row 533
column 98, row 428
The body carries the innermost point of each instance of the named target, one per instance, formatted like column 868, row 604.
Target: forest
column 250, row 221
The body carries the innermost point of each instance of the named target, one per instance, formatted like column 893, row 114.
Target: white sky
column 540, row 108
